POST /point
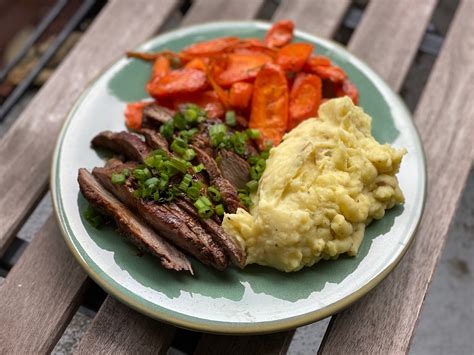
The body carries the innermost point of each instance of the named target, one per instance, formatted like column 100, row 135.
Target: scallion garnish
column 178, row 164
column 219, row 210
column 214, row 194
column 204, row 207
column 217, row 133
column 93, row 217
column 252, row 185
column 189, row 154
column 118, row 179
column 167, row 129
column 230, row 118
column 198, row 168
column 184, row 184
column 253, row 133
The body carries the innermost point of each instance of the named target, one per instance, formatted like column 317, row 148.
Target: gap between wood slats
column 384, row 320
column 29, row 140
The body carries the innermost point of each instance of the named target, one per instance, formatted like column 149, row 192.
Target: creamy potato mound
column 323, row 184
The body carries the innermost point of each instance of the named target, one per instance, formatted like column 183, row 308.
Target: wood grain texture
column 276, row 343
column 321, row 18
column 40, row 295
column 384, row 320
column 211, row 10
column 31, row 139
column 117, row 329
column 389, row 34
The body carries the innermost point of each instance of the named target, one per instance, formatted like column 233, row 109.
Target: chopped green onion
column 204, row 207
column 217, row 133
column 151, row 181
column 137, row 194
column 156, row 195
column 253, row 133
column 141, row 174
column 179, row 121
column 254, row 173
column 193, row 192
column 190, row 114
column 265, row 154
column 252, row 185
column 178, row 164
column 220, row 210
column 184, row 184
column 179, row 146
column 260, row 166
column 189, row 154
column 253, row 159
column 118, row 179
column 214, row 194
column 230, row 118
column 93, row 217
column 198, row 168
column 126, row 172
column 245, row 199
column 164, row 179
column 167, row 129
column 186, row 135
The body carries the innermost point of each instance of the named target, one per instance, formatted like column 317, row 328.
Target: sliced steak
column 164, row 220
column 154, row 139
column 233, row 168
column 228, row 192
column 124, row 143
column 154, row 115
column 130, row 226
column 202, row 141
column 232, row 249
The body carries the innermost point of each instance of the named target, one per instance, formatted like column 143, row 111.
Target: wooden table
column 45, row 287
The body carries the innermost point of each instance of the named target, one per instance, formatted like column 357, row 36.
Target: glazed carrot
column 293, row 56
column 221, row 93
column 198, row 63
column 316, row 60
column 240, row 95
column 348, row 89
column 210, row 47
column 270, row 104
column 208, row 100
column 161, row 67
column 333, row 73
column 151, row 57
column 305, row 98
column 242, row 67
column 177, row 82
column 134, row 114
column 279, row 34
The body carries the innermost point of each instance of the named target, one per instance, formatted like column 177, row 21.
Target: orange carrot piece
column 180, row 81
column 134, row 114
column 305, row 98
column 279, row 34
column 333, row 73
column 208, row 100
column 293, row 56
column 348, row 89
column 198, row 63
column 242, row 67
column 240, row 95
column 161, row 67
column 315, row 61
column 151, row 57
column 270, row 104
column 210, row 47
column 221, row 93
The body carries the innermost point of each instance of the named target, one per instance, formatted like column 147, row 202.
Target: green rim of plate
column 198, row 324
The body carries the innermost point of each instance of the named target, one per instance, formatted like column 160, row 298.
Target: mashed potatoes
column 323, row 184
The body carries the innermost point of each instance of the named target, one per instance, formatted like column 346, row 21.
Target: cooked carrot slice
column 240, row 95
column 348, row 89
column 210, row 47
column 315, row 61
column 180, row 81
column 134, row 114
column 270, row 104
column 221, row 93
column 208, row 100
column 293, row 56
column 198, row 63
column 333, row 73
column 161, row 67
column 242, row 67
column 305, row 98
column 151, row 57
column 279, row 34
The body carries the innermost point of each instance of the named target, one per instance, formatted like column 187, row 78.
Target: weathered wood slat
column 321, row 18
column 389, row 35
column 211, row 10
column 40, row 295
column 384, row 320
column 276, row 343
column 118, row 329
column 31, row 139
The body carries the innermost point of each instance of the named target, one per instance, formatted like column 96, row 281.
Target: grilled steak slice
column 130, row 226
column 232, row 249
column 124, row 143
column 154, row 115
column 154, row 139
column 233, row 168
column 163, row 219
column 228, row 192
column 203, row 142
